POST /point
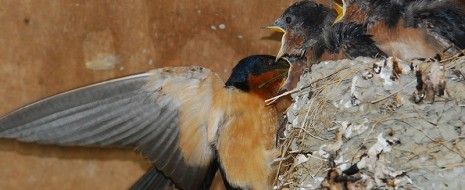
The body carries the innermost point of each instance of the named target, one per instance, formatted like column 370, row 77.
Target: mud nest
column 376, row 124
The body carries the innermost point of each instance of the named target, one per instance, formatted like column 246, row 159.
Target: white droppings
column 240, row 36
column 353, row 87
column 385, row 71
column 295, row 106
column 348, row 104
column 342, row 164
column 322, row 152
column 295, row 122
column 222, row 26
column 380, row 146
column 213, row 27
column 346, row 128
column 305, row 186
column 150, row 61
column 338, row 104
column 359, row 129
column 300, row 159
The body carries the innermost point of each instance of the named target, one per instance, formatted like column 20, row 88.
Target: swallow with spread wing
column 185, row 120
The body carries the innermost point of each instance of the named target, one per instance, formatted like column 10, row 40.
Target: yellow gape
column 341, row 10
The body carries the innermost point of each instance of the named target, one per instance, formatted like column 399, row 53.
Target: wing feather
column 148, row 112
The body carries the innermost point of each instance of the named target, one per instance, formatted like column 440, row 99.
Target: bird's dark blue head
column 256, row 72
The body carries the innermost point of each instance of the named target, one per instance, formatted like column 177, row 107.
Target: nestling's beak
column 281, row 49
column 276, row 28
column 341, row 10
column 298, row 65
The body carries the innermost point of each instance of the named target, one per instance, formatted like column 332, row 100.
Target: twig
column 456, row 62
column 418, row 113
column 272, row 79
column 283, row 153
column 305, row 119
column 272, row 100
column 434, row 140
column 456, row 56
column 403, row 88
column 308, row 132
column 442, row 112
column 376, row 122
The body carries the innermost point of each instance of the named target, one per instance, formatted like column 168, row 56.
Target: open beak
column 276, row 29
column 298, row 66
column 280, row 30
column 281, row 49
column 341, row 10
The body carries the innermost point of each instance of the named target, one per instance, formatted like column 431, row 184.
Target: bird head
column 301, row 23
column 258, row 74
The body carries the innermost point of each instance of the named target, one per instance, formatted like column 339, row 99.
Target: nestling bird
column 411, row 28
column 310, row 36
column 185, row 120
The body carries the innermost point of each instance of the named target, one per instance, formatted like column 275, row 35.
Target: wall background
column 47, row 47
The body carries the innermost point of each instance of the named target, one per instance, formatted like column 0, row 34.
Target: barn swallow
column 310, row 36
column 184, row 120
column 410, row 28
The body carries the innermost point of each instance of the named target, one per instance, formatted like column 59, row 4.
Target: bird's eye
column 288, row 20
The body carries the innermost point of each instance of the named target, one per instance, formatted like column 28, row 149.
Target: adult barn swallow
column 310, row 36
column 183, row 119
column 410, row 28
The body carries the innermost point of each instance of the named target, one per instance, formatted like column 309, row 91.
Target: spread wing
column 152, row 179
column 164, row 114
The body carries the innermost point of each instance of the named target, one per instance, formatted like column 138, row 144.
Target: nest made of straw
column 367, row 123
